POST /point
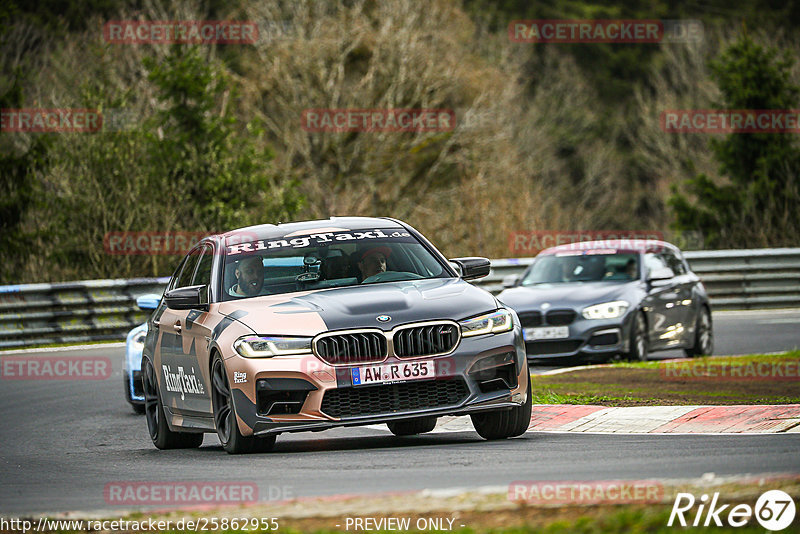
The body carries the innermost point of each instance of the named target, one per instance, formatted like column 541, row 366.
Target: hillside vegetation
column 548, row 137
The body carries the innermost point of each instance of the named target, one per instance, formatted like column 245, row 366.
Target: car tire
column 225, row 419
column 703, row 335
column 502, row 424
column 410, row 427
column 163, row 437
column 639, row 348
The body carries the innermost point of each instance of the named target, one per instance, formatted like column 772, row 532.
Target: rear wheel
column 638, row 343
column 703, row 335
column 410, row 427
column 503, row 424
column 157, row 425
column 225, row 417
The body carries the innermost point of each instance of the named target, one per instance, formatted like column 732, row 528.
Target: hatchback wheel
column 703, row 335
column 639, row 348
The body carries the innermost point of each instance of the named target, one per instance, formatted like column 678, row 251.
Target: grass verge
column 715, row 380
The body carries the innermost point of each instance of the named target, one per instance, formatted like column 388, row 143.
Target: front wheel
column 410, row 427
column 157, row 425
column 703, row 335
column 638, row 343
column 225, row 417
column 505, row 423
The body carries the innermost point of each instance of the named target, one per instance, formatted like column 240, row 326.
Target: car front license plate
column 546, row 332
column 393, row 372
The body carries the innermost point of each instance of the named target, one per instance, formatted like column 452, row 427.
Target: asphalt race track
column 61, row 442
column 738, row 332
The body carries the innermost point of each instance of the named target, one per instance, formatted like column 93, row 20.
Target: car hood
column 573, row 295
column 312, row 312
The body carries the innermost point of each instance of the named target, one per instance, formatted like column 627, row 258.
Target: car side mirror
column 473, row 267
column 148, row 302
column 510, row 280
column 188, row 298
column 660, row 275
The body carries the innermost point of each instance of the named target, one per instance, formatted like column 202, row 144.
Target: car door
column 196, row 338
column 176, row 376
column 659, row 304
column 684, row 308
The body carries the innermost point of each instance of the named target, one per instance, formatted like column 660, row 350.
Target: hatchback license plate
column 393, row 372
column 546, row 332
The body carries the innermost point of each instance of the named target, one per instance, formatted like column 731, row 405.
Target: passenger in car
column 249, row 277
column 372, row 261
column 631, row 270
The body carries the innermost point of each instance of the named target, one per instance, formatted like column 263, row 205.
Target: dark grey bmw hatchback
column 596, row 299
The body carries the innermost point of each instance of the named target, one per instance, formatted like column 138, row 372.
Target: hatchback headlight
column 494, row 323
column 270, row 346
column 606, row 310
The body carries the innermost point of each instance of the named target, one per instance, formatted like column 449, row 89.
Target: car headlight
column 269, row 346
column 495, row 322
column 137, row 342
column 606, row 310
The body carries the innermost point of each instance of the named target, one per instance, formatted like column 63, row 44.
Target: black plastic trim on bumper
column 498, row 401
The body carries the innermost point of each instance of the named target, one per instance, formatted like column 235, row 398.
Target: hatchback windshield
column 585, row 266
column 301, row 262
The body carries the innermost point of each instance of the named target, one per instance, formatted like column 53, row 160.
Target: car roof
column 334, row 224
column 631, row 246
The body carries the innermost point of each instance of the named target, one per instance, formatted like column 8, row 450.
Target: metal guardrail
column 735, row 279
column 72, row 312
column 106, row 309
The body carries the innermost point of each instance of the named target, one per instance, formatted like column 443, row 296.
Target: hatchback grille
column 354, row 347
column 532, row 318
column 560, row 317
column 425, row 340
column 393, row 398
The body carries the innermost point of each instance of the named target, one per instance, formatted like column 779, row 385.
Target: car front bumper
column 303, row 393
column 588, row 338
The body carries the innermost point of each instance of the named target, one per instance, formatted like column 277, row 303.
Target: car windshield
column 584, row 266
column 319, row 260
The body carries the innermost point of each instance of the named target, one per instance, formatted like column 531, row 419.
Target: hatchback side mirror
column 188, row 298
column 472, row 268
column 660, row 275
column 510, row 280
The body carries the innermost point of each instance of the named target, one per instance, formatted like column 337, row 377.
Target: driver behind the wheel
column 373, row 261
column 249, row 277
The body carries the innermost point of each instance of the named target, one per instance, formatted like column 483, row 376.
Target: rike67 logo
column 774, row 510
